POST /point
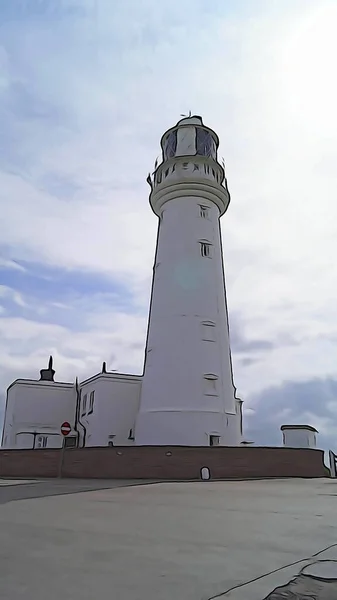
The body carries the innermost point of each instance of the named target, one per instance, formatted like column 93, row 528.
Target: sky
column 87, row 88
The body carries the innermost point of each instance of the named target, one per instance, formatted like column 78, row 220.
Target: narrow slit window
column 84, row 406
column 210, row 384
column 203, row 211
column 205, row 249
column 208, row 331
column 91, row 402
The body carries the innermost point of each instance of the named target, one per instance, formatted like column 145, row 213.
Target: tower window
column 210, row 384
column 214, row 440
column 208, row 331
column 204, row 142
column 203, row 211
column 205, row 249
column 170, row 145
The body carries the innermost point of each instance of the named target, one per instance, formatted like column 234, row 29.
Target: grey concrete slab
column 6, row 482
column 185, row 540
column 56, row 487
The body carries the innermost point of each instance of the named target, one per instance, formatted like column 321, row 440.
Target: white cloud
column 11, row 264
column 113, row 336
column 16, row 297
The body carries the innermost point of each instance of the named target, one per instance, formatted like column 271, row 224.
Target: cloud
column 6, row 292
column 10, row 264
column 312, row 402
column 101, row 333
column 80, row 132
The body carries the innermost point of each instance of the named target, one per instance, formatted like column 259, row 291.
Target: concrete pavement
column 42, row 488
column 186, row 540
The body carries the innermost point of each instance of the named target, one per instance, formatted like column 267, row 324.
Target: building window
column 70, row 442
column 131, row 436
column 41, row 441
column 203, row 211
column 214, row 440
column 91, row 402
column 170, row 145
column 205, row 249
column 84, row 405
column 210, row 384
column 204, row 142
column 208, row 331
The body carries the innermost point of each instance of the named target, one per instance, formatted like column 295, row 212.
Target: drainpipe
column 78, row 410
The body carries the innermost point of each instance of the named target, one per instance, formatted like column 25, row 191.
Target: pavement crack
column 292, row 564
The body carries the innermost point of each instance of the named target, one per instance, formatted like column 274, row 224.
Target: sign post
column 65, row 430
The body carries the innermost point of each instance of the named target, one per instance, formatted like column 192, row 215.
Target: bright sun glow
column 310, row 71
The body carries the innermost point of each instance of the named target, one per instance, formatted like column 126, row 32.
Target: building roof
column 41, row 382
column 308, row 427
column 112, row 375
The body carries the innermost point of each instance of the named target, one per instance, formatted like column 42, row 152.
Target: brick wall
column 153, row 462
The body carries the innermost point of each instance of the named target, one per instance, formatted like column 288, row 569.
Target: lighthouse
column 188, row 395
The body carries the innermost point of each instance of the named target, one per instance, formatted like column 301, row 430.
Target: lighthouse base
column 187, row 428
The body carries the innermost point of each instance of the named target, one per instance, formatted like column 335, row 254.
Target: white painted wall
column 37, row 408
column 188, row 290
column 299, row 438
column 115, row 408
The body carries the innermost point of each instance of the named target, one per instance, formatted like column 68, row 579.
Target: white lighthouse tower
column 188, row 395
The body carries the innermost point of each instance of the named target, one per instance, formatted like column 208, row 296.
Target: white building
column 186, row 395
column 299, row 436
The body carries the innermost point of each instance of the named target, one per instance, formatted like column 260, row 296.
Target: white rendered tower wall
column 188, row 395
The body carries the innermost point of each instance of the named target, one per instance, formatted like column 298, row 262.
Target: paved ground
column 192, row 541
column 41, row 488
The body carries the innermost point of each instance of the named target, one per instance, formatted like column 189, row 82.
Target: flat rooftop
column 76, row 540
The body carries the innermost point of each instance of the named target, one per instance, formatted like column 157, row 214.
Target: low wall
column 163, row 462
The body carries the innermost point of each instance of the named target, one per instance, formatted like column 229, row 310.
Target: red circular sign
column 65, row 428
